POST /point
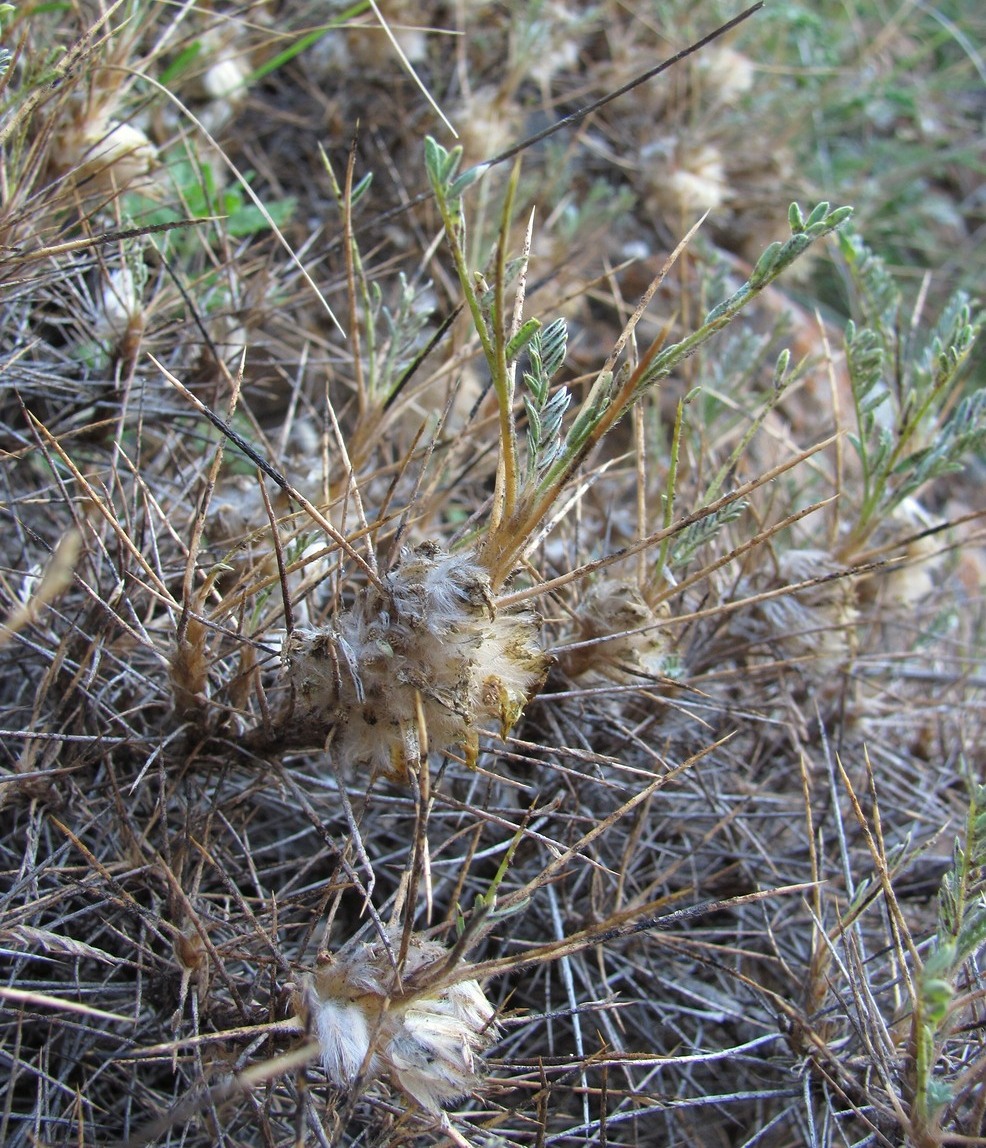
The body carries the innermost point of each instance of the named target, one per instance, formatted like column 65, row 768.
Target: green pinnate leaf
column 819, row 214
column 765, row 264
column 546, row 349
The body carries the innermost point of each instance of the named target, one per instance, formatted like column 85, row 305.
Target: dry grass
column 720, row 876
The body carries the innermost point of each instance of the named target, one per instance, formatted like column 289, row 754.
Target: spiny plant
column 471, row 692
column 522, row 502
column 426, row 658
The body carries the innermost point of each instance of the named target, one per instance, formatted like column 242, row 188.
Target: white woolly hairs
column 344, row 1036
column 427, row 1043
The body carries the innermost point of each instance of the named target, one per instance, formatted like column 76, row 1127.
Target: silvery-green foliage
column 402, row 329
column 877, row 296
column 544, row 410
column 805, row 230
column 961, row 434
column 6, row 56
column 960, row 938
column 692, row 538
column 905, row 436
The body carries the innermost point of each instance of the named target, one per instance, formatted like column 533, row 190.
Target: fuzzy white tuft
column 344, row 1037
column 426, row 1036
column 622, row 636
column 105, row 152
column 817, row 626
column 120, row 305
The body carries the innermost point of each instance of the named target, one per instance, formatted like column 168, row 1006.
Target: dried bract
column 104, row 152
column 816, row 627
column 691, row 180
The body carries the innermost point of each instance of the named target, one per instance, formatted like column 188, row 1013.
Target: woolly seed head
column 120, row 308
column 429, row 644
column 421, row 1032
column 107, row 152
column 626, row 641
column 697, row 182
column 818, row 625
column 727, row 74
column 907, row 584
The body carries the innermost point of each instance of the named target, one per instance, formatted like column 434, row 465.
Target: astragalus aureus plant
column 526, row 491
column 560, row 563
column 425, row 658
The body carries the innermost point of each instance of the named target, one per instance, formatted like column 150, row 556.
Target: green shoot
column 960, row 937
column 523, row 500
column 912, row 426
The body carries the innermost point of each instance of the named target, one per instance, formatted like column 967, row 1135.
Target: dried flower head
column 623, row 636
column 694, row 180
column 424, row 662
column 222, row 84
column 485, row 123
column 726, row 73
column 105, row 152
column 816, row 626
column 119, row 317
column 907, row 584
column 411, row 1025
